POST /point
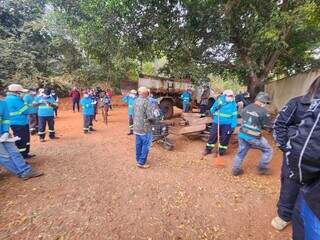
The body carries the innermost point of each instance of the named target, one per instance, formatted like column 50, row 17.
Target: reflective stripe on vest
column 19, row 112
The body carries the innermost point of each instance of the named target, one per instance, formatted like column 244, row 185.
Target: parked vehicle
column 167, row 91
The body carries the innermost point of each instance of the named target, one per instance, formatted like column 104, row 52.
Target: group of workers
column 26, row 112
column 296, row 132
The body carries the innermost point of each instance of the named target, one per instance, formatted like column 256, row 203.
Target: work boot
column 92, row 130
column 263, row 171
column 86, row 132
column 207, row 152
column 42, row 140
column 237, row 172
column 279, row 224
column 143, row 166
column 30, row 156
column 32, row 174
column 222, row 152
column 54, row 138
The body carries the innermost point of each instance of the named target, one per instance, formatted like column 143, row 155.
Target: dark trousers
column 43, row 121
column 56, row 112
column 75, row 102
column 87, row 123
column 130, row 123
column 225, row 135
column 288, row 193
column 33, row 123
column 23, row 144
column 203, row 109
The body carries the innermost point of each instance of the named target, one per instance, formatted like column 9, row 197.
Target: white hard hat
column 228, row 92
column 143, row 90
column 16, row 88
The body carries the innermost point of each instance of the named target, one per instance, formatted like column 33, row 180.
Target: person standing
column 224, row 112
column 303, row 160
column 255, row 118
column 10, row 157
column 75, row 96
column 46, row 105
column 204, row 101
column 129, row 100
column 142, row 117
column 186, row 97
column 285, row 127
column 33, row 112
column 87, row 105
column 19, row 112
column 56, row 98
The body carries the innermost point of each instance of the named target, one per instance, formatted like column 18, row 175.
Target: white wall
column 283, row 90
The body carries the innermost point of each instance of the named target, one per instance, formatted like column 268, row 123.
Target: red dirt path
column 93, row 190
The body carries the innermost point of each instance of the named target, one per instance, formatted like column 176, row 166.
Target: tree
column 253, row 39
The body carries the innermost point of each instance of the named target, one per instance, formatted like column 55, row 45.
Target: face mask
column 229, row 99
column 45, row 96
column 85, row 95
column 263, row 105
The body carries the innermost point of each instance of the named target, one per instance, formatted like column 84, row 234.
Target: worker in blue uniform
column 224, row 112
column 10, row 158
column 46, row 105
column 129, row 100
column 186, row 98
column 87, row 105
column 33, row 111
column 19, row 112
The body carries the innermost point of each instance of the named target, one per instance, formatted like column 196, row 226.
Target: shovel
column 219, row 161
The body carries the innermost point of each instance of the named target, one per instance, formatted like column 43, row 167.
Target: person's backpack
column 303, row 155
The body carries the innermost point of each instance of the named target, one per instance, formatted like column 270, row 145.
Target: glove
column 4, row 137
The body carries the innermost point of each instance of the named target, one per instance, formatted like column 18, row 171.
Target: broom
column 219, row 161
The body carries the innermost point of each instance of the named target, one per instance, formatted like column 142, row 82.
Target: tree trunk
column 255, row 85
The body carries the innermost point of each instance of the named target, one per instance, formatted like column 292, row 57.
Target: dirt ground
column 92, row 189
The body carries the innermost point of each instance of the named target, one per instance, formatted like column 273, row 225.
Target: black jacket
column 288, row 120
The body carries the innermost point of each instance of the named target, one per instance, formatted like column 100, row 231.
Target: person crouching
column 255, row 118
column 88, row 106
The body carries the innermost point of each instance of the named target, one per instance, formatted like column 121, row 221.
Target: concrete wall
column 283, row 90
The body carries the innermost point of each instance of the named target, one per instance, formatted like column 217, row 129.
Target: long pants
column 75, row 101
column 56, row 112
column 185, row 106
column 203, row 109
column 87, row 123
column 255, row 143
column 23, row 132
column 43, row 121
column 143, row 144
column 305, row 224
column 12, row 160
column 131, row 123
column 225, row 135
column 33, row 123
column 289, row 191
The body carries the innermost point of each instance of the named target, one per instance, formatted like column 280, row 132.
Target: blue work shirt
column 4, row 117
column 130, row 101
column 29, row 99
column 44, row 109
column 18, row 110
column 87, row 106
column 227, row 111
column 186, row 96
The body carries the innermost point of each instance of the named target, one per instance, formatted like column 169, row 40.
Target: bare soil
column 92, row 189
